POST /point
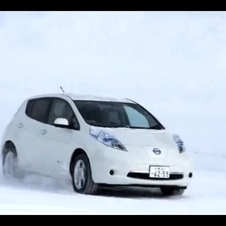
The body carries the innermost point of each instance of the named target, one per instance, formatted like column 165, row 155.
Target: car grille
column 145, row 176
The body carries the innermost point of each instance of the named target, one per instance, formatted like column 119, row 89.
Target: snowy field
column 173, row 63
column 43, row 196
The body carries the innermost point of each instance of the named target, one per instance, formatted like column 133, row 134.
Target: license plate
column 159, row 172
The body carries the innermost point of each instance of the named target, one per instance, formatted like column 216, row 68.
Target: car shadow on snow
column 46, row 184
column 131, row 192
column 137, row 193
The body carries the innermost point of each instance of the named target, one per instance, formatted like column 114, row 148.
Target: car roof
column 84, row 97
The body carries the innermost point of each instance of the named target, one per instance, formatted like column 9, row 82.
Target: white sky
column 174, row 63
column 169, row 61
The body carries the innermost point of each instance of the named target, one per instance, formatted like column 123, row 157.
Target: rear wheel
column 82, row 176
column 170, row 191
column 10, row 164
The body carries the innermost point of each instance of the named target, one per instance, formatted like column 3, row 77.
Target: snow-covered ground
column 205, row 196
column 40, row 195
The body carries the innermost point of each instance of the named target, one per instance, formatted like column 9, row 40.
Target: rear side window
column 30, row 104
column 38, row 109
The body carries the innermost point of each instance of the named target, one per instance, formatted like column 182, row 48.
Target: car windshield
column 116, row 114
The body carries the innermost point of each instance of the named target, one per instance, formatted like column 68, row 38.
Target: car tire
column 172, row 191
column 82, row 180
column 10, row 164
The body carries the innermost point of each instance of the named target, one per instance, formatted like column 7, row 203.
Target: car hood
column 146, row 140
column 141, row 137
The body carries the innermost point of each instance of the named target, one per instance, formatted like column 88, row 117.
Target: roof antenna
column 62, row 89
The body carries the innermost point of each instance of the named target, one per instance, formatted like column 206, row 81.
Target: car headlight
column 107, row 139
column 179, row 143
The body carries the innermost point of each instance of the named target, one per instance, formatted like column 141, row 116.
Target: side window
column 29, row 106
column 136, row 119
column 62, row 109
column 38, row 109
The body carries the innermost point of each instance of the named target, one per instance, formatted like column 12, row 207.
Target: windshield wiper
column 157, row 127
column 138, row 127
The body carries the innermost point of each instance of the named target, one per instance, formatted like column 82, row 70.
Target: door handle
column 44, row 132
column 20, row 125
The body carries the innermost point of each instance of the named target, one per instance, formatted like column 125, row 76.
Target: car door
column 32, row 127
column 61, row 141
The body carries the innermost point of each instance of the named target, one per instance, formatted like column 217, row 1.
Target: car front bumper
column 118, row 168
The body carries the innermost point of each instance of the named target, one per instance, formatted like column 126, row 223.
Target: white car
column 94, row 142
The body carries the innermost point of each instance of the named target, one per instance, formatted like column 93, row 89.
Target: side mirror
column 61, row 122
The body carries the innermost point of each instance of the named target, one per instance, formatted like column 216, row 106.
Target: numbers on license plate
column 159, row 172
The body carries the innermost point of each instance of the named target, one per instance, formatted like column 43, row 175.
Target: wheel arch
column 77, row 152
column 8, row 145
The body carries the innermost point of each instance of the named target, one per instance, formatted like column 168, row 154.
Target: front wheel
column 82, row 176
column 172, row 191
